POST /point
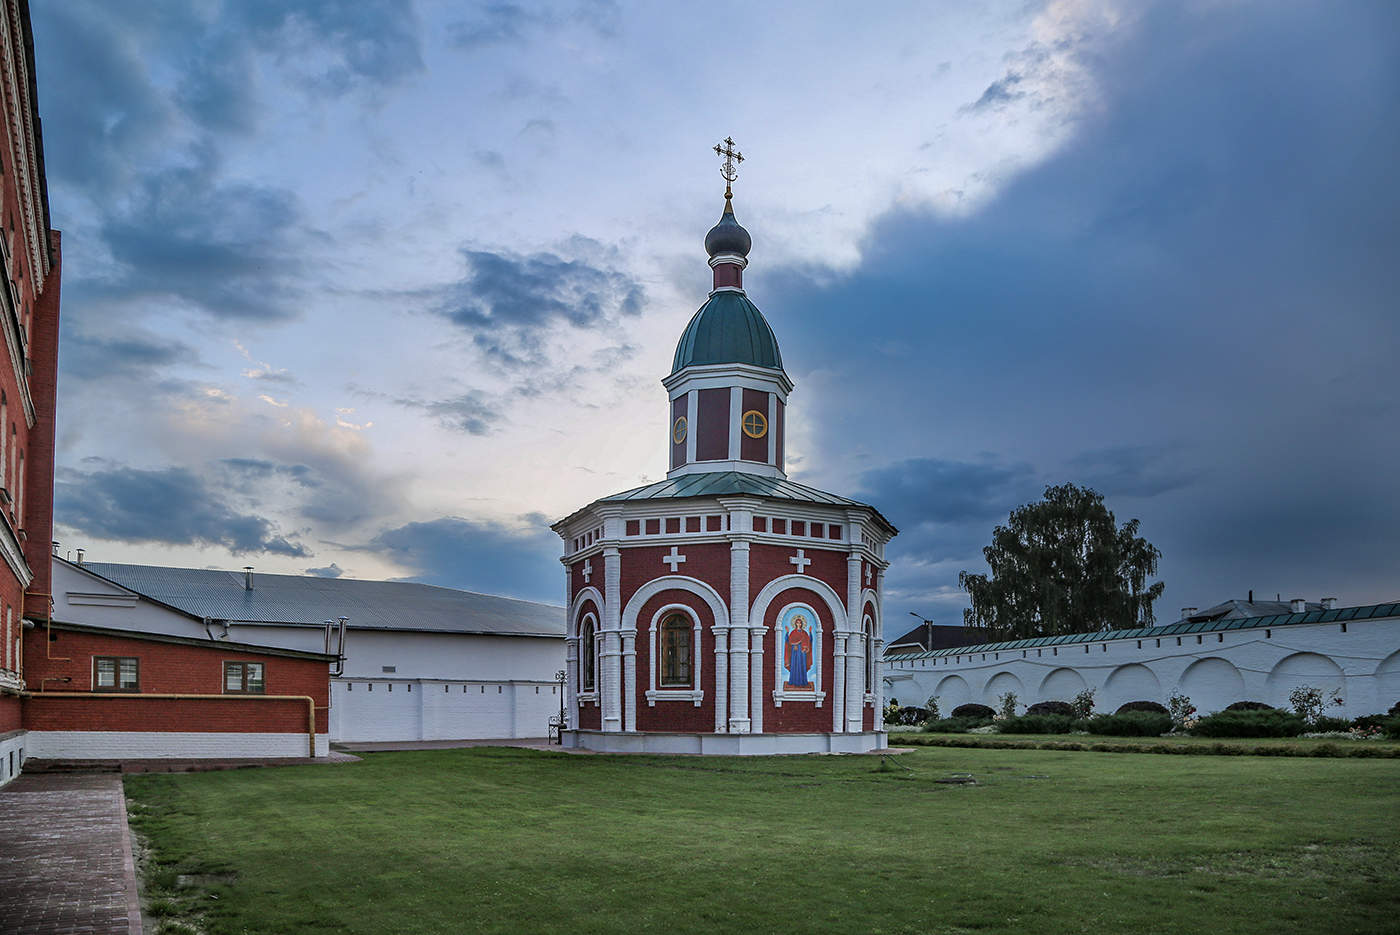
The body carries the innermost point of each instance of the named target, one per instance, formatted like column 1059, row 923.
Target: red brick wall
column 38, row 481
column 708, row 561
column 166, row 668
column 712, row 433
column 797, row 716
column 676, row 715
column 767, row 562
column 590, row 716
column 679, row 407
column 754, row 449
column 9, row 713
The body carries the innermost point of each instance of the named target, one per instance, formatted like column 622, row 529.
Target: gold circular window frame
column 678, row 429
column 760, row 428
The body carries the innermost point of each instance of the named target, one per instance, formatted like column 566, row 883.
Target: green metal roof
column 728, row 329
column 1172, row 629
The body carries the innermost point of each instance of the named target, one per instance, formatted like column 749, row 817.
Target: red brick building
column 725, row 609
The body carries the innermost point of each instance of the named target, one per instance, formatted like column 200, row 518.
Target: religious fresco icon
column 799, row 633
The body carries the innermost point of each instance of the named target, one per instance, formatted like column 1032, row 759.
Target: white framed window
column 675, row 660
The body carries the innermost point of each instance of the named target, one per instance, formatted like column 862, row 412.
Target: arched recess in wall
column 1303, row 669
column 1061, row 685
column 674, row 583
column 952, row 691
column 1212, row 683
column 1388, row 682
column 576, row 607
column 1132, row 682
column 1000, row 684
column 806, row 582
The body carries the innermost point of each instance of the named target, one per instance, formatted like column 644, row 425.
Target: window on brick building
column 675, row 651
column 244, row 678
column 588, row 656
column 116, row 674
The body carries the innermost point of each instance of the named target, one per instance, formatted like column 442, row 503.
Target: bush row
column 1345, row 749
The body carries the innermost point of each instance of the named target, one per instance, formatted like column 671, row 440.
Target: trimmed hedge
column 1331, row 724
column 1250, row 723
column 1249, row 706
column 1037, row 724
column 1063, row 708
column 973, row 710
column 909, row 715
column 1151, row 707
column 954, row 725
column 1345, row 749
column 1131, row 724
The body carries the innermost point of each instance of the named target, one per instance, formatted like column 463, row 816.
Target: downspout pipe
column 310, row 703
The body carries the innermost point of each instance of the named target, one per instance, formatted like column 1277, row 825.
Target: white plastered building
column 420, row 662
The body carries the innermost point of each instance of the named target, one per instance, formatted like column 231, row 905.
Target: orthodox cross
column 730, row 168
column 674, row 559
column 587, row 571
column 801, row 561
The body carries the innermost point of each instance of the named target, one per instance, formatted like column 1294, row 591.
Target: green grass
column 500, row 840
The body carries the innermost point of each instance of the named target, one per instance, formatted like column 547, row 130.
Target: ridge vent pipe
column 1329, row 603
column 247, row 577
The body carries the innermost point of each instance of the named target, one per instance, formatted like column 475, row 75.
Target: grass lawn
column 504, row 840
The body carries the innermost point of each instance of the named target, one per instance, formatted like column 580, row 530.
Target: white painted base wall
column 723, row 744
column 1362, row 663
column 14, row 749
column 366, row 710
column 180, row 745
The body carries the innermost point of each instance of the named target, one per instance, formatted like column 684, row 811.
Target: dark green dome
column 728, row 329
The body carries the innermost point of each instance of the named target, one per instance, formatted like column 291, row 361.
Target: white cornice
column 717, row 375
column 14, row 555
column 741, row 467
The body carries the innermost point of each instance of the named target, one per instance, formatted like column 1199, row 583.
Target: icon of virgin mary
column 797, row 655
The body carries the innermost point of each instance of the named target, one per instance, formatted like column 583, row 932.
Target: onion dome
column 728, row 236
column 728, row 329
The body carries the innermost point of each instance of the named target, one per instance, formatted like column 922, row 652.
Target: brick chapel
column 725, row 609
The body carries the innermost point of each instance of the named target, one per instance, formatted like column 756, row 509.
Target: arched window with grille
column 676, row 654
column 588, row 655
column 868, row 630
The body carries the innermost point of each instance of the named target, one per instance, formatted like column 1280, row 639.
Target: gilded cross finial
column 729, row 169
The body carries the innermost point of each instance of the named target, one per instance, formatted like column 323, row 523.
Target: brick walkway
column 66, row 864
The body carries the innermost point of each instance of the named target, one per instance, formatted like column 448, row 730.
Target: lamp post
column 559, row 677
column 928, row 629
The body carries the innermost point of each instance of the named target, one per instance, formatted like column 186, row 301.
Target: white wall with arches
column 1359, row 660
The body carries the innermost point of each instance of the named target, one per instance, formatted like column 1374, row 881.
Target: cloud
column 97, row 359
column 170, row 506
column 473, row 412
column 507, row 301
column 520, row 559
column 330, row 571
column 495, row 24
column 999, row 93
column 1133, row 470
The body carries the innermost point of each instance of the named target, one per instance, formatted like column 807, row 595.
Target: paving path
column 66, row 865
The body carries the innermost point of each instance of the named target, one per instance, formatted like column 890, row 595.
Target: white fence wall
column 1362, row 662
column 440, row 709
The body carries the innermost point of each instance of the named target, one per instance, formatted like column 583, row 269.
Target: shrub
column 1131, row 724
column 1083, row 703
column 1062, row 708
column 1249, row 706
column 1309, row 703
column 1183, row 712
column 910, row 715
column 1394, row 710
column 1330, row 724
column 1269, row 723
column 954, row 725
column 1149, row 706
column 1006, row 706
column 932, row 706
column 1036, row 724
column 973, row 710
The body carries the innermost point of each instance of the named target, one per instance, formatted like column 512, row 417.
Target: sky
column 381, row 289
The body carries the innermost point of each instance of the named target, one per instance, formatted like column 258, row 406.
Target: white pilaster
column 612, row 645
column 756, row 678
column 855, row 644
column 773, row 428
column 629, row 679
column 721, row 679
column 736, row 414
column 690, row 406
column 570, row 655
column 879, row 686
column 739, row 688
column 838, row 692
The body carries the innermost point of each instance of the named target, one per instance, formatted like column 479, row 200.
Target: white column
column 878, row 679
column 855, row 644
column 756, row 678
column 570, row 656
column 739, row 637
column 721, row 679
column 838, row 668
column 612, row 648
column 690, row 407
column 736, row 413
column 629, row 679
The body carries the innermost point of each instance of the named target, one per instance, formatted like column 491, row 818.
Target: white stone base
column 723, row 744
column 176, row 745
column 14, row 748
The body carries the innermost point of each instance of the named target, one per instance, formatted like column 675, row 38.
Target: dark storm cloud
column 171, row 506
column 506, row 301
column 1191, row 303
column 477, row 555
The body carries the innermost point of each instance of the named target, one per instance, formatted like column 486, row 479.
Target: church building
column 725, row 609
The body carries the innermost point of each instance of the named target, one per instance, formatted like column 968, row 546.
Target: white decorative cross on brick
column 674, row 559
column 868, row 571
column 587, row 571
column 801, row 561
